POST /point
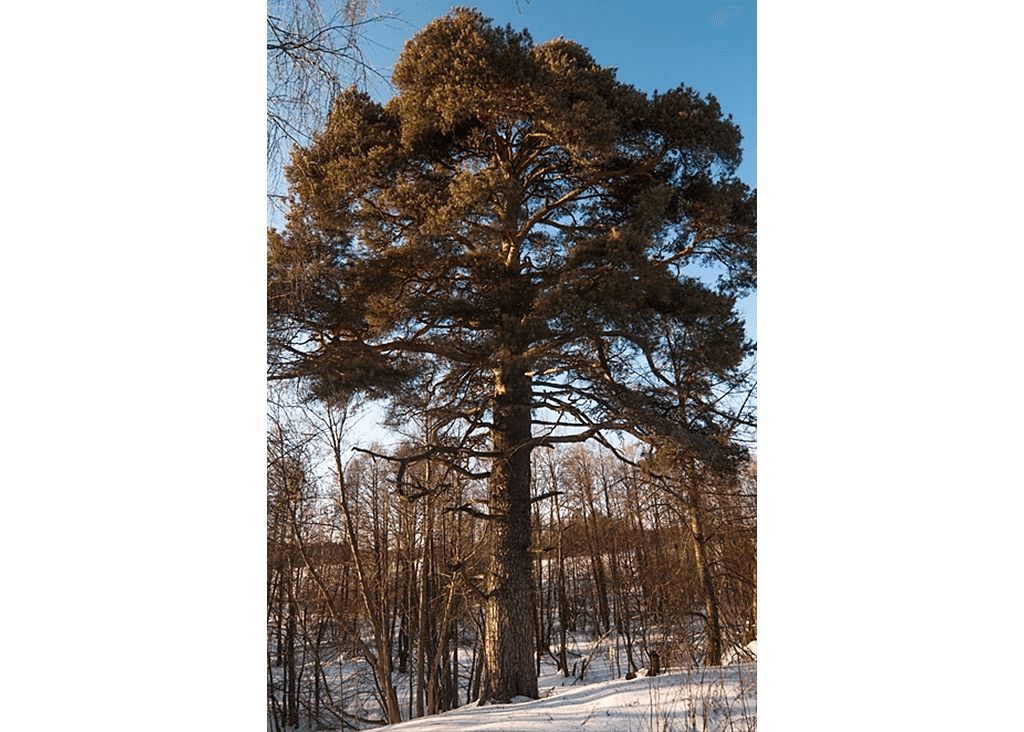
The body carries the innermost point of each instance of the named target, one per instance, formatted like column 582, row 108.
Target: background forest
column 624, row 559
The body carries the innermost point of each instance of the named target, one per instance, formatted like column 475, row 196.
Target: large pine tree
column 506, row 241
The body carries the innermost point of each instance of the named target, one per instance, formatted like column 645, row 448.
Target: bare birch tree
column 315, row 48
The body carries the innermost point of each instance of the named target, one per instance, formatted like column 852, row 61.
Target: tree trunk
column 372, row 603
column 291, row 693
column 655, row 667
column 422, row 632
column 597, row 550
column 563, row 600
column 477, row 666
column 713, row 653
column 753, row 610
column 509, row 640
column 437, row 701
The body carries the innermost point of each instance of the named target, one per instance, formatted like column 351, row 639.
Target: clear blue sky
column 655, row 44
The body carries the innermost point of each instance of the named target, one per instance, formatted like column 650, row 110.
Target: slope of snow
column 723, row 698
column 595, row 696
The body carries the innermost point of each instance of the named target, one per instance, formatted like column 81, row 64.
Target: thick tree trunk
column 509, row 640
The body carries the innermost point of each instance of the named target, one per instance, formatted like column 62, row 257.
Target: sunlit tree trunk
column 479, row 661
column 563, row 598
column 438, row 686
column 509, row 640
column 422, row 633
column 597, row 557
column 713, row 623
column 752, row 630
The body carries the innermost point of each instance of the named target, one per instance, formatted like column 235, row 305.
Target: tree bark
column 509, row 640
column 422, row 633
column 753, row 609
column 563, row 600
column 291, row 693
column 713, row 652
column 597, row 552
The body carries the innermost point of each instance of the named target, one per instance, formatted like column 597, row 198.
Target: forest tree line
column 374, row 594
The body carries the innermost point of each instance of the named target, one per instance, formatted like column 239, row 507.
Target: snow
column 719, row 698
column 597, row 695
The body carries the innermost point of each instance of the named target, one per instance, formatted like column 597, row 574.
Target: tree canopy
column 509, row 244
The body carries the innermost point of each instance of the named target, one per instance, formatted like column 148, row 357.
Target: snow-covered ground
column 597, row 694
column 703, row 699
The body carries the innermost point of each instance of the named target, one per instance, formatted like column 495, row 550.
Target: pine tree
column 504, row 242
